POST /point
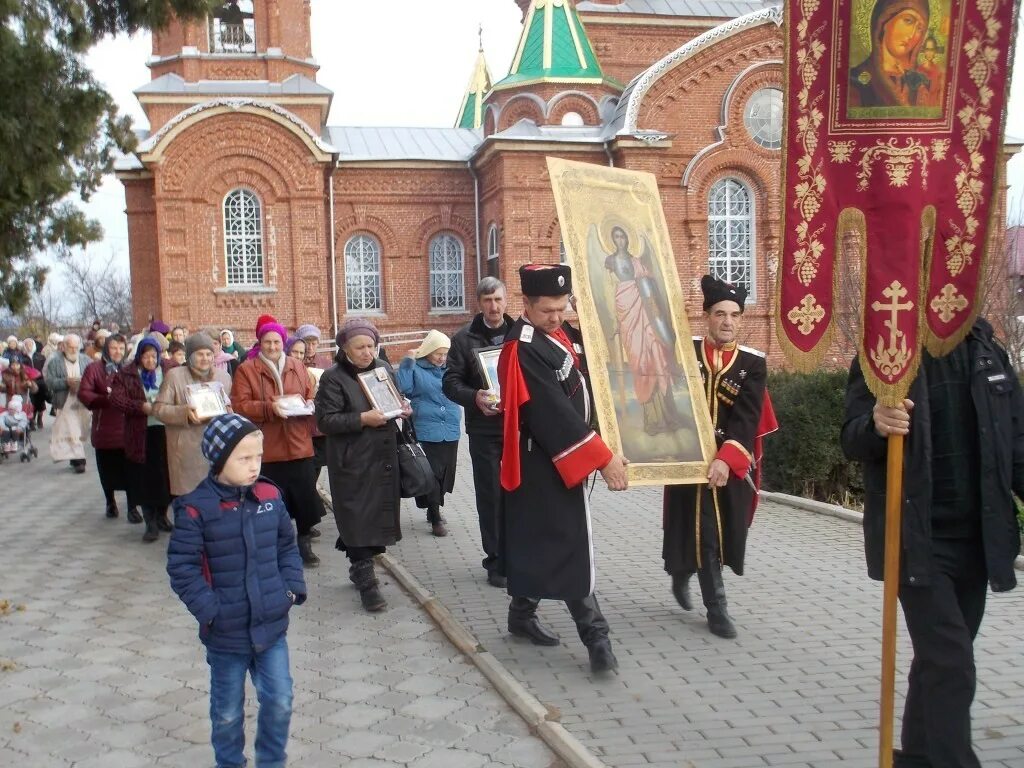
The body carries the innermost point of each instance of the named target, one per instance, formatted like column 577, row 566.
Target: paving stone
column 803, row 671
column 109, row 671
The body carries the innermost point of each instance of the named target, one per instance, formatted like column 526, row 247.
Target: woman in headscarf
column 13, row 350
column 260, row 384
column 39, row 397
column 362, row 458
column 222, row 361
column 889, row 77
column 313, row 358
column 16, row 381
column 229, row 345
column 186, row 465
column 437, row 421
column 53, row 342
column 108, row 424
column 134, row 390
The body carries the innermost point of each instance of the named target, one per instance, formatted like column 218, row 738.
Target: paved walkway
column 100, row 664
column 798, row 688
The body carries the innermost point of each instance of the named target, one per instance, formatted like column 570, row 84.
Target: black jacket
column 464, row 378
column 362, row 462
column 996, row 394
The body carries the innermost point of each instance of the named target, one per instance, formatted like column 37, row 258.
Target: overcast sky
column 401, row 62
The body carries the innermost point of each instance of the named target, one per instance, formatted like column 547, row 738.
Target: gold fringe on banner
column 893, row 394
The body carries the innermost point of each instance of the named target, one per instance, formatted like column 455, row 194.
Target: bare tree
column 1002, row 292
column 46, row 312
column 101, row 290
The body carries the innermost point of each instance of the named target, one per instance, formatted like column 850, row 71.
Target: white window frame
column 715, row 269
column 454, row 301
column 493, row 251
column 257, row 274
column 356, row 279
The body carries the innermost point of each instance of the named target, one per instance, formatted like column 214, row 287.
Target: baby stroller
column 18, row 439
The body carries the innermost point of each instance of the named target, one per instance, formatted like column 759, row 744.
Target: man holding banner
column 964, row 426
column 914, row 182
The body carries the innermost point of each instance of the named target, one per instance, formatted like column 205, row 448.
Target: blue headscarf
column 148, row 377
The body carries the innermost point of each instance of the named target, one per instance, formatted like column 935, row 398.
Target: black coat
column 996, row 394
column 463, row 377
column 362, row 462
column 736, row 399
column 546, row 547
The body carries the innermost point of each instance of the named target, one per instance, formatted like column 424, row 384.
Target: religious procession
column 308, row 402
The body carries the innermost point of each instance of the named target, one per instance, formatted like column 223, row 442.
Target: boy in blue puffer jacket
column 234, row 562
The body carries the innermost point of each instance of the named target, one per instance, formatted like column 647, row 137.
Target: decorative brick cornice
column 643, row 83
column 153, row 142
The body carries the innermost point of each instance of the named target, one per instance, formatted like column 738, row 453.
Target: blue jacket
column 232, row 560
column 436, row 418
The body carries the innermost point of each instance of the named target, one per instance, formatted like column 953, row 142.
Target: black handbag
column 415, row 473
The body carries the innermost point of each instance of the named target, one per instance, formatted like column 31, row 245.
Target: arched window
column 447, row 256
column 731, row 233
column 243, row 238
column 562, row 258
column 362, row 274
column 573, row 119
column 492, row 251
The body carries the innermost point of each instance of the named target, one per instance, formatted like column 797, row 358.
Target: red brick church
column 242, row 201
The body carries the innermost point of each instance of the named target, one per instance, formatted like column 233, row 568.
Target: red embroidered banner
column 894, row 129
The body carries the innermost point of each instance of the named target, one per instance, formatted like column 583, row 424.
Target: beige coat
column 186, row 464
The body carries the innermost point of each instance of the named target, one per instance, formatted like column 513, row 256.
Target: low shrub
column 804, row 457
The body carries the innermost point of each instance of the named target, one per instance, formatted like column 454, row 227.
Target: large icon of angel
column 636, row 322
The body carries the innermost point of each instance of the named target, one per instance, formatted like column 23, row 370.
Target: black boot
column 163, row 522
column 592, row 627
column 133, row 515
column 601, row 657
column 681, row 590
column 712, row 589
column 309, row 559
column 152, row 532
column 362, row 575
column 523, row 622
column 112, row 511
column 436, row 522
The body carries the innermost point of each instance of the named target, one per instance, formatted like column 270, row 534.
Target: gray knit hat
column 195, row 342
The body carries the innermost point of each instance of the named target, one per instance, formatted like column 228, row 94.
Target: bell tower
column 258, row 49
column 240, row 40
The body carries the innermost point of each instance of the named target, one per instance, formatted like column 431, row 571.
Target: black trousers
column 591, row 625
column 297, row 479
column 485, row 453
column 943, row 620
column 355, row 554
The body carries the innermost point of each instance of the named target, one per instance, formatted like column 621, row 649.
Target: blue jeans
column 273, row 681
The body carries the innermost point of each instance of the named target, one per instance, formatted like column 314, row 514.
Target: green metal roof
column 471, row 114
column 554, row 47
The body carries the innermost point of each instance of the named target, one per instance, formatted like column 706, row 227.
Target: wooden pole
column 893, row 527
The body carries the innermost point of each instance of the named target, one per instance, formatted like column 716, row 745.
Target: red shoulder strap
column 513, row 395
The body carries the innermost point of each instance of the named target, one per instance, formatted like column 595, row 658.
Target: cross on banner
column 807, row 315
column 892, row 359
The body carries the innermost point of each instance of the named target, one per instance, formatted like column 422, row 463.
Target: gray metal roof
column 358, row 143
column 295, row 85
column 527, row 130
column 724, row 9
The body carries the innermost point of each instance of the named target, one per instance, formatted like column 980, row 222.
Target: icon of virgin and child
column 903, row 66
column 635, row 319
